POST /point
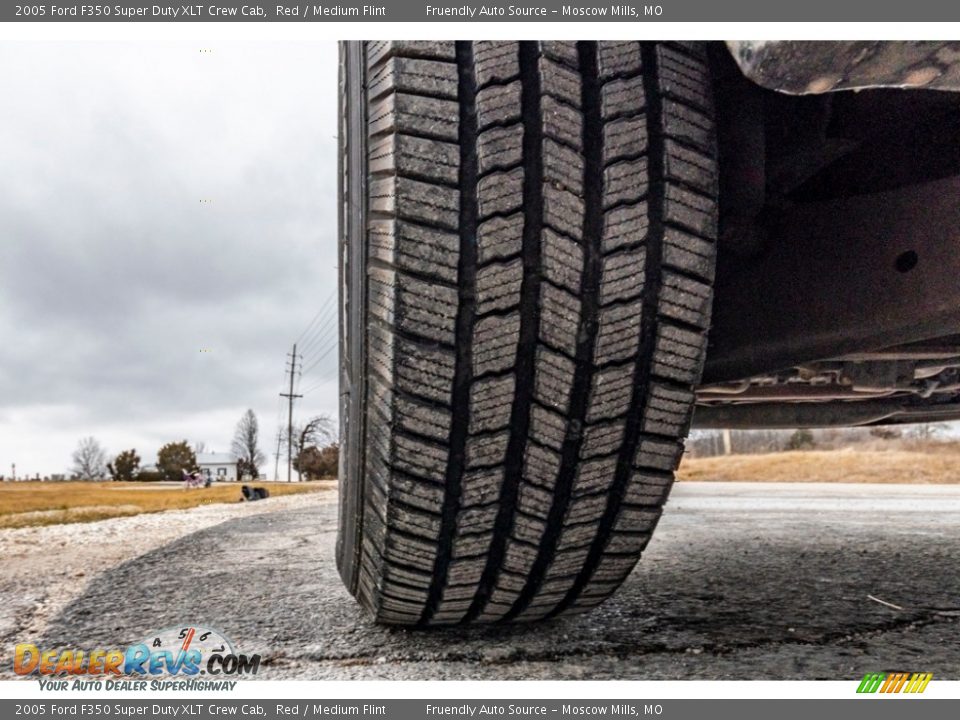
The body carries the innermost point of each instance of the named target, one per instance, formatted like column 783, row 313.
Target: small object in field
column 252, row 493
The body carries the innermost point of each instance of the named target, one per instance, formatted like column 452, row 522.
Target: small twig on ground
column 884, row 602
column 946, row 612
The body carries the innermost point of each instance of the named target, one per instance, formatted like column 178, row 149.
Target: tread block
column 679, row 354
column 486, row 450
column 415, row 522
column 500, row 193
column 625, row 182
column 683, row 122
column 618, row 58
column 426, row 309
column 547, row 427
column 422, row 419
column 433, row 160
column 624, row 226
column 632, row 543
column 559, row 318
column 562, row 168
column 540, row 465
column 409, row 114
column 562, row 260
column 647, row 488
column 683, row 298
column 594, row 476
column 559, row 81
column 622, row 96
column 561, row 122
column 690, row 167
column 495, row 343
column 553, row 379
column 602, row 439
column 426, row 496
column 418, row 201
column 424, row 370
column 500, row 148
column 563, row 51
column 684, row 77
column 465, row 572
column 419, row 458
column 481, row 486
column 404, row 549
column 477, row 520
column 498, row 286
column 470, row 546
column 491, row 400
column 624, row 138
column 498, row 105
column 380, row 51
column 499, row 238
column 563, row 211
column 667, row 411
column 421, row 249
column 618, row 332
column 691, row 210
column 622, row 276
column 536, row 503
column 683, row 250
column 610, row 392
column 414, row 75
column 658, row 454
column 496, row 62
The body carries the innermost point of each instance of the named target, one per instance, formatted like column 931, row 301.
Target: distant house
column 218, row 466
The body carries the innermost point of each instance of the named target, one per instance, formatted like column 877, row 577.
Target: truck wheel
column 527, row 252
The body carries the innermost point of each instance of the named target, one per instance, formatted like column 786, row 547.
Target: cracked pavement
column 741, row 581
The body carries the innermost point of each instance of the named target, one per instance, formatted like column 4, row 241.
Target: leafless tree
column 246, row 445
column 89, row 460
column 317, row 432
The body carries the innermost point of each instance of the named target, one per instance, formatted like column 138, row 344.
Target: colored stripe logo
column 894, row 682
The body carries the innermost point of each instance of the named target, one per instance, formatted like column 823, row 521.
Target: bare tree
column 89, row 460
column 246, row 445
column 317, row 432
column 199, row 447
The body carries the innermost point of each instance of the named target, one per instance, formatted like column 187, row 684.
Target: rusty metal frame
column 839, row 277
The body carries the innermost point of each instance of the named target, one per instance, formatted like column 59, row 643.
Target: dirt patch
column 849, row 466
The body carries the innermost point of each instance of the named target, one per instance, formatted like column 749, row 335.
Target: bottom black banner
column 874, row 708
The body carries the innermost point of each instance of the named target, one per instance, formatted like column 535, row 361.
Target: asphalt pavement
column 741, row 581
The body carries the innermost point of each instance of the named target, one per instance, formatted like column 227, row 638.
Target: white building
column 218, row 466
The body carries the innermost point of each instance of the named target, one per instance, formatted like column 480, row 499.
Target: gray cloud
column 156, row 201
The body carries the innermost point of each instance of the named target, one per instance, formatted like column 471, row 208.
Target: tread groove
column 592, row 139
column 532, row 153
column 643, row 371
column 466, row 318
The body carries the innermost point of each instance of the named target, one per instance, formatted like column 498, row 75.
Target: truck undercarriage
column 837, row 299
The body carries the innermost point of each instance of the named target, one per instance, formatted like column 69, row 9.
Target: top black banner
column 533, row 11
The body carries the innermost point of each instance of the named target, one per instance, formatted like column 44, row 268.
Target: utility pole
column 290, row 397
column 276, row 455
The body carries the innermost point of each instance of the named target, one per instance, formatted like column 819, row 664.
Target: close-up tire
column 527, row 253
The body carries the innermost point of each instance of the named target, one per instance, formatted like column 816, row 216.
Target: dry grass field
column 926, row 466
column 27, row 504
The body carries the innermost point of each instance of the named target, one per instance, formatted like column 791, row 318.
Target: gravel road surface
column 742, row 580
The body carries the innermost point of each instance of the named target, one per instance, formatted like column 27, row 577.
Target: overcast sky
column 115, row 276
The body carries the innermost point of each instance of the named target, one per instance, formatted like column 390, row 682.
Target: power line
column 324, row 305
column 320, row 358
column 323, row 333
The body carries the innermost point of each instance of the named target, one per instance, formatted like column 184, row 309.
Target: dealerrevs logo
column 887, row 683
column 187, row 651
